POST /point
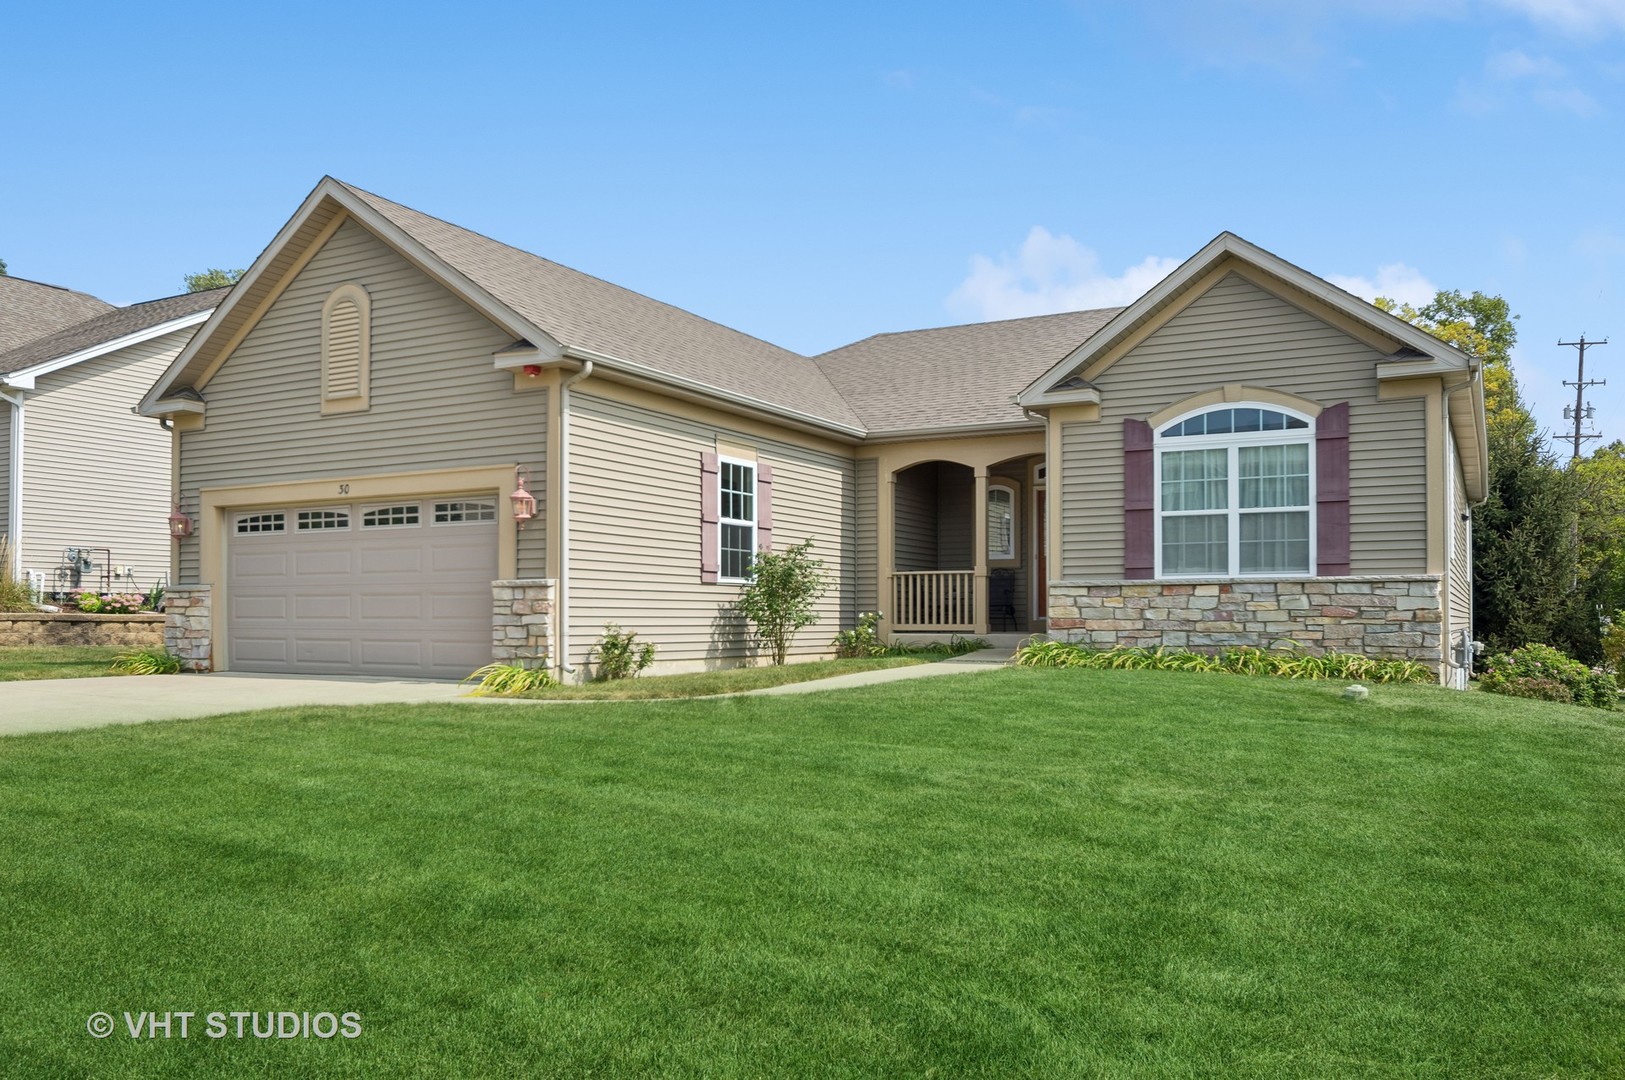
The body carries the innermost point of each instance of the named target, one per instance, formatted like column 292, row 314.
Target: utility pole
column 1579, row 412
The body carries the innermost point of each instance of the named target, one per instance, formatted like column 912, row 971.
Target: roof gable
column 1230, row 253
column 562, row 313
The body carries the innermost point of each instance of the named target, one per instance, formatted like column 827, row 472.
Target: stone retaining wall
column 18, row 628
column 1392, row 617
column 188, row 632
column 522, row 621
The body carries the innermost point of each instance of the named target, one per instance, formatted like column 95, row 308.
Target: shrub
column 1539, row 689
column 507, row 680
column 154, row 661
column 1534, row 665
column 89, row 603
column 780, row 595
column 1242, row 660
column 862, row 640
column 154, row 600
column 619, row 654
column 15, row 594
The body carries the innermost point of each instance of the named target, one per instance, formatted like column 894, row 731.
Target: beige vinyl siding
column 635, row 530
column 6, row 409
column 94, row 473
column 866, row 587
column 914, row 495
column 1238, row 333
column 1461, row 553
column 956, row 528
column 436, row 400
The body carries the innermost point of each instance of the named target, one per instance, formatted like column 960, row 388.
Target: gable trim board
column 615, row 521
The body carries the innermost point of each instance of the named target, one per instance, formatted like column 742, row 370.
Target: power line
column 1580, row 412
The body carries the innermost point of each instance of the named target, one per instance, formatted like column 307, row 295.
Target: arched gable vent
column 346, row 349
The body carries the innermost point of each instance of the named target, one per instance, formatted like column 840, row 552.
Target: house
column 79, row 468
column 1244, row 454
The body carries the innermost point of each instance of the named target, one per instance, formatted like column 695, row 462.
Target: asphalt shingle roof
column 31, row 309
column 954, row 376
column 108, row 326
column 585, row 312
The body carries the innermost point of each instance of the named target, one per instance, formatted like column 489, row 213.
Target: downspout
column 564, row 515
column 1461, row 658
column 14, row 482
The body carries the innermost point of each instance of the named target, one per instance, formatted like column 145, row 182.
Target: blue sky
column 819, row 173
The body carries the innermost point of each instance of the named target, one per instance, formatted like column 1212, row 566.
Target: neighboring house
column 32, row 309
column 1244, row 454
column 79, row 467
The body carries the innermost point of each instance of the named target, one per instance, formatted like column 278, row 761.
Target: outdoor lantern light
column 524, row 503
column 180, row 526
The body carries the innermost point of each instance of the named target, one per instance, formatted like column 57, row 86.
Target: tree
column 212, row 278
column 1525, row 574
column 3, row 271
column 780, row 596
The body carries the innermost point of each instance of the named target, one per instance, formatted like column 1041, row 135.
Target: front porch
column 963, row 542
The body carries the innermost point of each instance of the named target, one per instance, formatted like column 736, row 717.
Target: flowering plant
column 110, row 603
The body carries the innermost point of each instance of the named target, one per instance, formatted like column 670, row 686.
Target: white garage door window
column 396, row 588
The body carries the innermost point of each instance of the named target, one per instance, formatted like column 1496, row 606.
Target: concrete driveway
column 67, row 704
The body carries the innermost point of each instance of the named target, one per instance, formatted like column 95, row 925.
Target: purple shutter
column 1139, row 501
column 764, row 507
column 1332, row 491
column 710, row 506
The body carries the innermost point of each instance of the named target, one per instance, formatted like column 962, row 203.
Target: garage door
column 400, row 588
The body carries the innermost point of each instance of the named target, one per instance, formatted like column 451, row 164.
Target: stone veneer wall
column 1393, row 617
column 28, row 628
column 187, row 628
column 522, row 620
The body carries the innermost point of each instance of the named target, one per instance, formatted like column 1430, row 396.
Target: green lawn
column 726, row 681
column 57, row 661
column 1002, row 874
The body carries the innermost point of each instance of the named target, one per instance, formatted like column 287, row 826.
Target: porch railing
column 934, row 600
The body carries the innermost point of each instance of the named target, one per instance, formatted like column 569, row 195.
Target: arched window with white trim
column 1235, row 493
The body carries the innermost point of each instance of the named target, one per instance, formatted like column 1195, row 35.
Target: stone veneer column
column 188, row 631
column 522, row 621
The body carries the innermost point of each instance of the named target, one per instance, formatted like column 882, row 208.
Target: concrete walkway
column 981, row 660
column 70, row 704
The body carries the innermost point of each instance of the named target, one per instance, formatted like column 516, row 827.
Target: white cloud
column 1566, row 99
column 1572, row 16
column 1517, row 64
column 1048, row 274
column 1394, row 280
column 1545, row 81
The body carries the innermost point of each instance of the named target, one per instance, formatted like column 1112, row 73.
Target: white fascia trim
column 706, row 392
column 1410, row 369
column 1230, row 244
column 1081, row 396
column 165, row 407
column 24, row 378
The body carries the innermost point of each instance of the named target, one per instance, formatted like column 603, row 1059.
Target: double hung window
column 1235, row 494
